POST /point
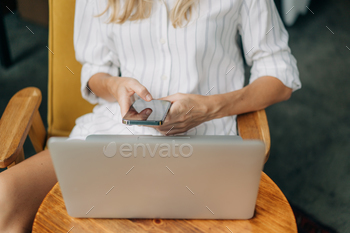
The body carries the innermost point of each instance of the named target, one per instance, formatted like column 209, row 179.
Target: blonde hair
column 141, row 9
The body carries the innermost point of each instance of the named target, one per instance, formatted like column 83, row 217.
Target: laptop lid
column 181, row 177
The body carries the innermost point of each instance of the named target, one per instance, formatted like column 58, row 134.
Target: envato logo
column 127, row 150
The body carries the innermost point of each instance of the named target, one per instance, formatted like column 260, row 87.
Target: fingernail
column 148, row 97
column 148, row 111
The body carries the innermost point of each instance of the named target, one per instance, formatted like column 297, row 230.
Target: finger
column 174, row 132
column 142, row 91
column 144, row 114
column 132, row 112
column 132, row 98
column 171, row 98
column 124, row 103
column 160, row 128
column 152, row 126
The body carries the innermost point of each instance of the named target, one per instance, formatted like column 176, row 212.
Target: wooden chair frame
column 21, row 118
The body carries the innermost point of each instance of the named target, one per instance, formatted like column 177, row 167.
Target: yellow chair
column 65, row 104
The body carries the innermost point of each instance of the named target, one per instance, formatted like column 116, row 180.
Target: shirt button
column 164, row 77
column 162, row 41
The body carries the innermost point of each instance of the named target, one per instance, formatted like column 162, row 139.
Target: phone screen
column 147, row 113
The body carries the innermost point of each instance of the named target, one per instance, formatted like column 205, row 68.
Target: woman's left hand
column 187, row 111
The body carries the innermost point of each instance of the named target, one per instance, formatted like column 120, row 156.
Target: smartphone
column 142, row 112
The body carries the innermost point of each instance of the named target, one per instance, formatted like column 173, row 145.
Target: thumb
column 142, row 91
column 171, row 98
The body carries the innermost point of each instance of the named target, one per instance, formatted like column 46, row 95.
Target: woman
column 185, row 51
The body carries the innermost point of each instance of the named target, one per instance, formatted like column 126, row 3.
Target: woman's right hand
column 123, row 90
column 120, row 89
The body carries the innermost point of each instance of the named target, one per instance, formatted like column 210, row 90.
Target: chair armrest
column 254, row 125
column 21, row 117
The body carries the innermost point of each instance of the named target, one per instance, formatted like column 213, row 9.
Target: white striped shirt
column 200, row 58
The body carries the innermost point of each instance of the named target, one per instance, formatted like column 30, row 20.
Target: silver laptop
column 178, row 177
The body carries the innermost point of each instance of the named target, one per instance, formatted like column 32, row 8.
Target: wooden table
column 273, row 214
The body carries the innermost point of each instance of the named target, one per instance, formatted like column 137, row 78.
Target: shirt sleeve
column 265, row 43
column 94, row 48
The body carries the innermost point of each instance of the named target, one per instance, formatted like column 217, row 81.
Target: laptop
column 171, row 177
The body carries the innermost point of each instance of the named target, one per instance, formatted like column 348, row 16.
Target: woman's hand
column 120, row 89
column 190, row 110
column 123, row 90
column 187, row 111
column 260, row 94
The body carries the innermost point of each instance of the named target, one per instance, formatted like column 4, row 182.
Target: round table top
column 273, row 214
